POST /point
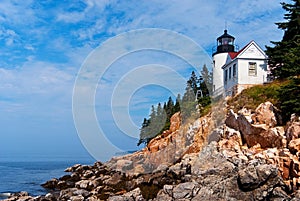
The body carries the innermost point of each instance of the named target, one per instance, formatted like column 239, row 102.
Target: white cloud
column 201, row 20
column 35, row 88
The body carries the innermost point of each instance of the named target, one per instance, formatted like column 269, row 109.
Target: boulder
column 76, row 198
column 73, row 168
column 294, row 145
column 184, row 190
column 254, row 134
column 51, row 184
column 292, row 131
column 161, row 195
column 134, row 195
column 267, row 113
column 83, row 184
column 231, row 120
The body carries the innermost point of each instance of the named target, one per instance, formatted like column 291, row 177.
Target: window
column 230, row 72
column 225, row 75
column 224, row 41
column 252, row 69
column 234, row 70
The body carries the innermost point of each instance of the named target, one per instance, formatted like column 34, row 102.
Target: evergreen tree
column 289, row 98
column 284, row 60
column 177, row 104
column 143, row 132
column 159, row 119
column 148, row 128
column 169, row 108
column 152, row 114
column 154, row 125
column 188, row 103
column 193, row 82
column 189, row 94
column 207, row 79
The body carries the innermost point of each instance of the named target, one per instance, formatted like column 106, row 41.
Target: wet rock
column 73, row 168
column 51, row 184
column 49, row 196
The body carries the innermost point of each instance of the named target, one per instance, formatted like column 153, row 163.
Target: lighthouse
column 225, row 44
column 235, row 71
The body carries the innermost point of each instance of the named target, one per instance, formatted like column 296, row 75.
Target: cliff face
column 250, row 156
column 164, row 150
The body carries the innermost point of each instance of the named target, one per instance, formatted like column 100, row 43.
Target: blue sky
column 44, row 43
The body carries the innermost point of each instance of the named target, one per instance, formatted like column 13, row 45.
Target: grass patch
column 284, row 94
column 252, row 97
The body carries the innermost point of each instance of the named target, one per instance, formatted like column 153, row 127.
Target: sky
column 44, row 45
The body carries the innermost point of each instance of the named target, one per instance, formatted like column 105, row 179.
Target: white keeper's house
column 234, row 70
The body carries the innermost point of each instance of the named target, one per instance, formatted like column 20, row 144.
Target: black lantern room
column 225, row 43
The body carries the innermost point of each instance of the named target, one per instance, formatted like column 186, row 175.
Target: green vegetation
column 195, row 101
column 250, row 98
column 289, row 98
column 284, row 94
column 158, row 121
column 284, row 59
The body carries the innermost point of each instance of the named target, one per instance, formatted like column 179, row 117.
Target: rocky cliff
column 247, row 156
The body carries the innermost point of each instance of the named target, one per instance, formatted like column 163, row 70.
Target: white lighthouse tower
column 225, row 44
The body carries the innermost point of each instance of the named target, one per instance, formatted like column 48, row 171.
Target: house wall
column 243, row 80
column 244, row 76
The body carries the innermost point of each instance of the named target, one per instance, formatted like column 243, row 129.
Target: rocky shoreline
column 249, row 156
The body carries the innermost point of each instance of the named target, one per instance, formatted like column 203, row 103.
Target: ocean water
column 29, row 175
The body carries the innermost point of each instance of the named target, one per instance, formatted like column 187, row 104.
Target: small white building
column 234, row 71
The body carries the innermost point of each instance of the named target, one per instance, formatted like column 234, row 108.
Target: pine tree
column 147, row 130
column 170, row 108
column 177, row 104
column 188, row 103
column 143, row 132
column 159, row 119
column 193, row 82
column 284, row 60
column 207, row 79
column 289, row 98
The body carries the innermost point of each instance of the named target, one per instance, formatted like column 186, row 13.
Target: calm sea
column 28, row 176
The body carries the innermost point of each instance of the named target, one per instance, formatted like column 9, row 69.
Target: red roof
column 235, row 54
